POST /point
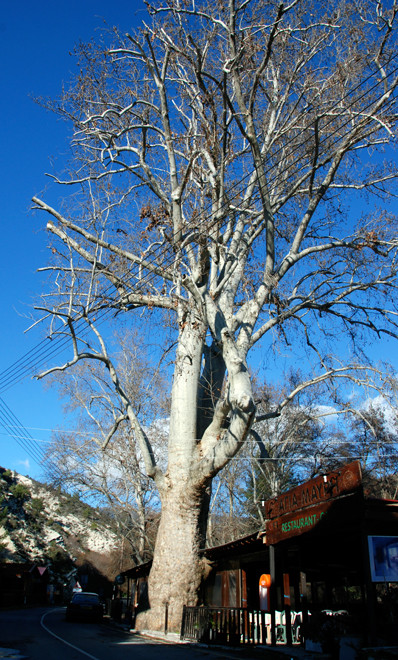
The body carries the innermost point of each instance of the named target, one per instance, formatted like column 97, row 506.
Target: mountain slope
column 42, row 525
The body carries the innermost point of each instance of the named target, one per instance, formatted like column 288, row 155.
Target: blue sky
column 36, row 39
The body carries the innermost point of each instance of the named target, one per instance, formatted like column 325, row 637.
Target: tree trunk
column 176, row 571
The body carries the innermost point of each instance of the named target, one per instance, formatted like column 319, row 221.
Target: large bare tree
column 223, row 156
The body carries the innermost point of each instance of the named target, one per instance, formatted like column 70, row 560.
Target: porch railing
column 226, row 625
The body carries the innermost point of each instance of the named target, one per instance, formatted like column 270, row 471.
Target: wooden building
column 325, row 567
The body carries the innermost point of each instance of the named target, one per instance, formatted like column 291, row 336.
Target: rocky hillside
column 45, row 526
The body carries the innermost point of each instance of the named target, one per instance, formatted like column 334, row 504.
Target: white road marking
column 64, row 640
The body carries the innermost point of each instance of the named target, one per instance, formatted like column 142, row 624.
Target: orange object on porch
column 265, row 580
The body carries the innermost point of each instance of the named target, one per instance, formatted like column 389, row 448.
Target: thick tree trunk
column 177, row 569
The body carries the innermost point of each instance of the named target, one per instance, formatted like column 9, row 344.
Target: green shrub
column 7, row 476
column 20, row 492
column 3, row 515
column 36, row 506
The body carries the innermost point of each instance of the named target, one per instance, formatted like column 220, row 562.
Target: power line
column 13, row 428
column 9, row 422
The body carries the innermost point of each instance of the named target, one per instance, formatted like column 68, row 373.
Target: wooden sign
column 295, row 524
column 320, row 489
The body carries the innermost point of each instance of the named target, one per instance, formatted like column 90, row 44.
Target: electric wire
column 32, row 446
column 14, row 427
column 49, row 347
column 9, row 421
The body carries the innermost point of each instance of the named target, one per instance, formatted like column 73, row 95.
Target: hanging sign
column 295, row 524
column 320, row 489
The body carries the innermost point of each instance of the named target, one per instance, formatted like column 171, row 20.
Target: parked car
column 84, row 606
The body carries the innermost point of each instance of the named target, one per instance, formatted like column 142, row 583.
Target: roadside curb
column 252, row 653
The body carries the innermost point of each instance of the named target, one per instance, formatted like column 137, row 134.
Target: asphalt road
column 43, row 634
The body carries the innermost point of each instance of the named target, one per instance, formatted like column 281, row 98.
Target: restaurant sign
column 295, row 524
column 300, row 509
column 320, row 489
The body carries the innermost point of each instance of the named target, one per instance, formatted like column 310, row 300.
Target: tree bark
column 176, row 554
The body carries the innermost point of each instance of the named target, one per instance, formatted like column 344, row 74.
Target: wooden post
column 304, row 605
column 286, row 604
column 272, row 592
column 243, row 588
